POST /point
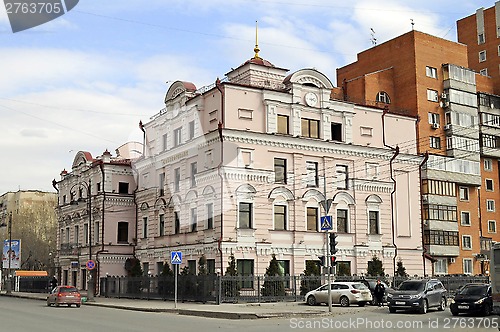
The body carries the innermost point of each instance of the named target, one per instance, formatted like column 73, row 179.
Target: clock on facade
column 311, row 99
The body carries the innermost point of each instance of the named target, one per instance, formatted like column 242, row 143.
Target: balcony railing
column 69, row 249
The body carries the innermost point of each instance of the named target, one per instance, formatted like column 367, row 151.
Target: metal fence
column 240, row 289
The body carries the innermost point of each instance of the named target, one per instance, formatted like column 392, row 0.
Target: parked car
column 64, row 295
column 371, row 283
column 419, row 295
column 343, row 293
column 473, row 298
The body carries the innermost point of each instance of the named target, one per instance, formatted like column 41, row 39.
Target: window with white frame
column 312, row 178
column 489, row 184
column 191, row 129
column 464, row 193
column 342, row 176
column 280, row 217
column 467, row 266
column 342, row 221
column 165, row 142
column 383, row 97
column 177, row 179
column 194, row 219
column 312, row 219
column 480, row 38
column 465, row 218
column 435, row 142
column 490, row 205
column 283, row 126
column 177, row 136
column 432, row 95
column 441, row 266
column 245, row 215
column 144, row 227
column 433, row 118
column 161, row 224
column 194, row 171
column 483, row 72
column 492, row 226
column 488, row 165
column 280, row 170
column 210, row 215
column 373, row 220
column 466, row 242
column 482, row 56
column 431, row 72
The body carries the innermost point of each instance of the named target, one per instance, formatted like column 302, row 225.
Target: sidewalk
column 225, row 310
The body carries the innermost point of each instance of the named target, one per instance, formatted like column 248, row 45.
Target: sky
column 83, row 81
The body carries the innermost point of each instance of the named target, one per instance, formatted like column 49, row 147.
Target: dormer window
column 383, row 97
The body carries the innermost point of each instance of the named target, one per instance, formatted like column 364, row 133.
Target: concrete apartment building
column 426, row 76
column 481, row 33
column 242, row 167
column 96, row 215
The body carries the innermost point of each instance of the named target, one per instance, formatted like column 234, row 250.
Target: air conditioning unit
column 452, row 260
column 444, row 96
column 435, row 125
column 447, row 127
column 425, row 199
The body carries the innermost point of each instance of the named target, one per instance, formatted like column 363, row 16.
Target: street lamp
column 88, row 187
column 8, row 286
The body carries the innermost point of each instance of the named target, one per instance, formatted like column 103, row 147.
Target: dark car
column 473, row 298
column 371, row 283
column 418, row 295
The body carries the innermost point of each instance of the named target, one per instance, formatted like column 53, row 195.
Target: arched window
column 383, row 97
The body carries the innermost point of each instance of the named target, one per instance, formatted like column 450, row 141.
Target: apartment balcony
column 69, row 249
column 452, row 170
column 486, row 245
column 471, row 132
column 441, row 225
column 442, row 250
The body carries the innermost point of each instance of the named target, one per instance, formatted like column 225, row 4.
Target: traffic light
column 322, row 260
column 333, row 243
column 333, row 260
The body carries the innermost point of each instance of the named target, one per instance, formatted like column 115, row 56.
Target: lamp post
column 8, row 286
column 88, row 187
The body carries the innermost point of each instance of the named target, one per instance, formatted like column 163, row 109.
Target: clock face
column 311, row 99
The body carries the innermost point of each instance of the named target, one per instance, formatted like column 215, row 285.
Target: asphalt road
column 21, row 315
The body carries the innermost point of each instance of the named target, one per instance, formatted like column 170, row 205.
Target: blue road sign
column 176, row 257
column 90, row 264
column 326, row 223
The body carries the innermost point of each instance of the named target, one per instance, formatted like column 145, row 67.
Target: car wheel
column 56, row 304
column 344, row 301
column 442, row 305
column 424, row 307
column 78, row 305
column 454, row 312
column 486, row 310
column 48, row 304
column 361, row 304
column 392, row 310
column 311, row 300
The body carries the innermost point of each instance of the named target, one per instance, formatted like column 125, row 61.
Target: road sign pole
column 329, row 272
column 176, row 267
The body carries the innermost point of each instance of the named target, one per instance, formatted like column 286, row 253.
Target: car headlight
column 480, row 301
column 414, row 297
column 389, row 295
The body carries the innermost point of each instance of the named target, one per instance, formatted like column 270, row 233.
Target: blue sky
column 84, row 80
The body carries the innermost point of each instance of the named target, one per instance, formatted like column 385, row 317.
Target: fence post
column 258, row 289
column 219, row 288
column 119, row 287
column 295, row 278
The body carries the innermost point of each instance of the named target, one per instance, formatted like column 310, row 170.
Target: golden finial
column 256, row 49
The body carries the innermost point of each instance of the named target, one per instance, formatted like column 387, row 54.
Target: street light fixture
column 8, row 286
column 88, row 187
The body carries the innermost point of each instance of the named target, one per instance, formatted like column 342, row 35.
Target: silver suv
column 419, row 295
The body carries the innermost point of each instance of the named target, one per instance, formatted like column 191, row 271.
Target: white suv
column 343, row 293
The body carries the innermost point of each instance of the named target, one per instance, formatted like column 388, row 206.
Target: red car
column 64, row 295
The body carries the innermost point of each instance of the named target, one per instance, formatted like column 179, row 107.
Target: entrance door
column 74, row 275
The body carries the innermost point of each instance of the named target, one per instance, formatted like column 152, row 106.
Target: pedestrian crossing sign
column 176, row 257
column 326, row 223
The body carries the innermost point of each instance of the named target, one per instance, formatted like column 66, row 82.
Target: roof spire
column 256, row 49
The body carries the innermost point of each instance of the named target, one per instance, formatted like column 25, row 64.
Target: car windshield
column 359, row 286
column 412, row 285
column 474, row 290
column 68, row 290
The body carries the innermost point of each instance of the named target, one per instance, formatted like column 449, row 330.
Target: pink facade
column 241, row 168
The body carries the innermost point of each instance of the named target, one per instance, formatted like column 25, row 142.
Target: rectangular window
column 194, row 171
column 467, row 266
column 177, row 136
column 280, row 170
column 372, row 170
column 177, row 179
column 465, row 218
column 122, row 236
column 192, row 266
column 283, row 124
column 431, row 72
column 144, row 227
column 490, row 205
column 489, row 184
column 162, row 224
column 312, row 178
column 374, row 222
column 482, row 56
column 342, row 221
column 284, row 270
column 86, row 233
column 67, row 235
column 310, row 128
column 488, row 165
column 442, row 238
column 161, row 183
column 480, row 38
column 433, row 118
column 483, row 72
column 165, row 142
column 77, row 234
column 342, row 176
column 464, row 193
column 95, row 232
column 435, row 142
column 336, row 132
column 191, row 130
column 245, row 215
column 210, row 215
column 492, row 226
column 123, row 187
column 280, row 217
column 436, row 187
column 245, row 269
column 177, row 223
column 194, row 219
column 466, row 242
column 432, row 95
column 441, row 266
column 211, row 266
column 312, row 219
column 440, row 212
